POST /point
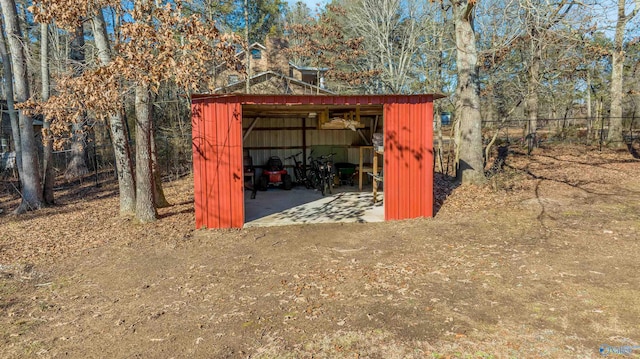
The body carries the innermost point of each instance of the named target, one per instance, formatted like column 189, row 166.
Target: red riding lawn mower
column 274, row 174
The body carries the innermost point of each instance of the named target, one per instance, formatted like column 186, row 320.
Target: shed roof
column 261, row 99
column 279, row 106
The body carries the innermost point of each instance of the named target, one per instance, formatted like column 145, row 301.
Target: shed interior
column 312, row 130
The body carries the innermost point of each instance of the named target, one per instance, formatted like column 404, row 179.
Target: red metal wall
column 408, row 157
column 217, row 163
column 217, row 153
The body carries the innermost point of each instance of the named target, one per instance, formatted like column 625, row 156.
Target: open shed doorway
column 300, row 133
column 218, row 149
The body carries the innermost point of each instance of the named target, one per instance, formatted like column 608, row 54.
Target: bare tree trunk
column 589, row 107
column 49, row 175
column 158, row 193
column 121, row 148
column 532, row 86
column 439, row 157
column 78, row 166
column 597, row 135
column 636, row 94
column 489, row 114
column 468, row 101
column 247, row 55
column 159, row 199
column 13, row 114
column 30, row 177
column 614, row 137
column 145, row 206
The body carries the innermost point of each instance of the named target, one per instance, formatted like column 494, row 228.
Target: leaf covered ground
column 544, row 261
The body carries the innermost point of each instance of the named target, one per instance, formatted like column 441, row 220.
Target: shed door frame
column 218, row 147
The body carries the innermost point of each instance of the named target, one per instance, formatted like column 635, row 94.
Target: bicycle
column 314, row 175
column 327, row 173
column 299, row 171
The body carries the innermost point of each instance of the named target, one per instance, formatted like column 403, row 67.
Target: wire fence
column 526, row 135
column 175, row 151
column 174, row 159
column 578, row 130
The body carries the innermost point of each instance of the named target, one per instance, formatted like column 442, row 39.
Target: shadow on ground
column 300, row 205
column 443, row 186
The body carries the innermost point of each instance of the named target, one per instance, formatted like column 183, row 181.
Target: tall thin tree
column 247, row 55
column 145, row 187
column 540, row 22
column 468, row 94
column 30, row 177
column 47, row 158
column 121, row 148
column 77, row 167
column 8, row 90
column 614, row 137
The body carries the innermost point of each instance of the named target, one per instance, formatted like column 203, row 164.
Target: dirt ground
column 542, row 262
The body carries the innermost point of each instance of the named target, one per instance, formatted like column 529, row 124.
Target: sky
column 310, row 3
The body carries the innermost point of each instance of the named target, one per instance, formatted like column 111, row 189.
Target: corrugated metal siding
column 332, row 137
column 408, row 158
column 217, row 162
column 199, row 159
column 260, row 138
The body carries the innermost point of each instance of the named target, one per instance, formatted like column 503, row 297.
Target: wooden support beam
column 363, row 137
column 296, row 128
column 375, row 126
column 273, row 148
column 253, row 124
column 304, row 143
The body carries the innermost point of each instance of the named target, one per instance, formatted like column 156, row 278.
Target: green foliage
column 265, row 17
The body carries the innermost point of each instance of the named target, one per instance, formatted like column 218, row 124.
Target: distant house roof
column 251, row 47
column 308, row 68
column 255, row 45
column 267, row 75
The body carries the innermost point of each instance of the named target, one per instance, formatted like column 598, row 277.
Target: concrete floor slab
column 277, row 207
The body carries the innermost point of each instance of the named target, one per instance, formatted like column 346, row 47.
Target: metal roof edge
column 308, row 68
column 298, row 99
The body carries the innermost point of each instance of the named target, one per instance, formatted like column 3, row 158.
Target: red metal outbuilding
column 218, row 151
